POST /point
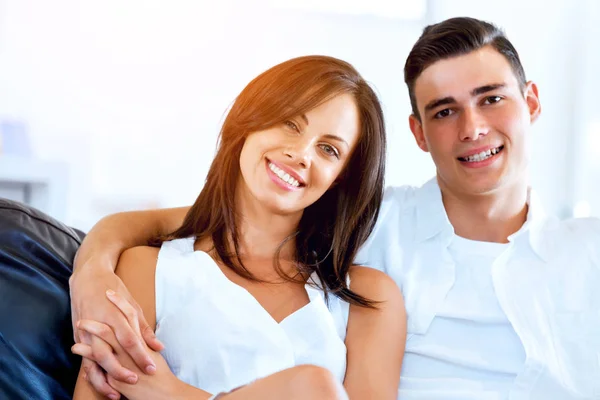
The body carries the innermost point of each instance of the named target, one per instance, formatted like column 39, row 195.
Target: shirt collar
column 431, row 214
column 534, row 227
column 432, row 219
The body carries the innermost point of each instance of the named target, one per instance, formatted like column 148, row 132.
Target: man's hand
column 162, row 385
column 88, row 287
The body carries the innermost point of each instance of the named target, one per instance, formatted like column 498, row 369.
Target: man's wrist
column 93, row 266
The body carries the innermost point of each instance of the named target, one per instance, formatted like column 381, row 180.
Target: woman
column 255, row 293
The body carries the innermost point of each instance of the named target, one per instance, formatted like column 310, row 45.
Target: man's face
column 474, row 121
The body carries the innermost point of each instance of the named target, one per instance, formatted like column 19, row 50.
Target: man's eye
column 443, row 114
column 492, row 99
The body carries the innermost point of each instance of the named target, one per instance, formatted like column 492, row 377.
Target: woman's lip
column 279, row 182
column 289, row 171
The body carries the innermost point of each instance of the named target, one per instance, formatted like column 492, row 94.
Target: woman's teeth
column 484, row 155
column 284, row 176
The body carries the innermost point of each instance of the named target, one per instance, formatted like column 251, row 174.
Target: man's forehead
column 460, row 75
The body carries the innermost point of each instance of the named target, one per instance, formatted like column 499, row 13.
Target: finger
column 101, row 353
column 74, row 318
column 149, row 335
column 127, row 342
column 84, row 337
column 132, row 342
column 133, row 345
column 82, row 350
column 96, row 378
column 100, row 330
column 74, row 313
column 130, row 312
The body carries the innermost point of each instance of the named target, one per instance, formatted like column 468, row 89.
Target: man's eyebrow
column 439, row 102
column 475, row 92
column 487, row 88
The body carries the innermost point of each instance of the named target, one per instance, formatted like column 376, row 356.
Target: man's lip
column 478, row 150
column 289, row 171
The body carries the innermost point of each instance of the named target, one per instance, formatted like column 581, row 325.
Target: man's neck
column 490, row 217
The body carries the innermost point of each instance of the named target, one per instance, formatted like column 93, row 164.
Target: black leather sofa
column 36, row 255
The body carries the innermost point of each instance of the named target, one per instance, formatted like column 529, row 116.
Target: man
column 502, row 301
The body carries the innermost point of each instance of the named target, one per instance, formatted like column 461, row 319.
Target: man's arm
column 117, row 232
column 375, row 338
column 93, row 275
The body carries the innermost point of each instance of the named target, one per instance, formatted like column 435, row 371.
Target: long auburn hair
column 332, row 229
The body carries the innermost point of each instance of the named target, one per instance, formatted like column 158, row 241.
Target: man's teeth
column 484, row 155
column 284, row 176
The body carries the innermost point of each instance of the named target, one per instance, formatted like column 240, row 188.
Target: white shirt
column 470, row 350
column 547, row 282
column 217, row 336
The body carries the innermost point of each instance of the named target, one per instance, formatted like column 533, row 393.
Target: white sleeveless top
column 217, row 336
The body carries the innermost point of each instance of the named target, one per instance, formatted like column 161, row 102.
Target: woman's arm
column 93, row 274
column 375, row 338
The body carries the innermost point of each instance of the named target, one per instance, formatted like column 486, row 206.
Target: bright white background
column 129, row 94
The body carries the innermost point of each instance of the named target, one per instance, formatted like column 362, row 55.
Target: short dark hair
column 455, row 37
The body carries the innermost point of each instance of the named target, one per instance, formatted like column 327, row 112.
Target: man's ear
column 533, row 101
column 417, row 129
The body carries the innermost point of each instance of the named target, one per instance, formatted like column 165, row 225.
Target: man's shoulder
column 399, row 196
column 580, row 228
column 575, row 234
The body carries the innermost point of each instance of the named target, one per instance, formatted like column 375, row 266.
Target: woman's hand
column 161, row 385
column 103, row 345
column 132, row 333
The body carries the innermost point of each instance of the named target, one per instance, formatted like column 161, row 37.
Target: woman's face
column 288, row 167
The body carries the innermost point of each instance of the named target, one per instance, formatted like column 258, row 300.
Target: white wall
column 131, row 93
column 136, row 90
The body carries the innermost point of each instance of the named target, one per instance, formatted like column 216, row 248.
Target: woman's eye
column 292, row 125
column 330, row 150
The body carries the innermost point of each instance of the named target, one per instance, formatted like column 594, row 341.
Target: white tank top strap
column 177, row 275
column 178, row 246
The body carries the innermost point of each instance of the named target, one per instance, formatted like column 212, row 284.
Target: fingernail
column 85, row 376
column 77, row 324
column 113, row 396
column 150, row 369
column 132, row 379
column 110, row 292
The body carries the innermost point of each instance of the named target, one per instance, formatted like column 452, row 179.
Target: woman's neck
column 261, row 231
